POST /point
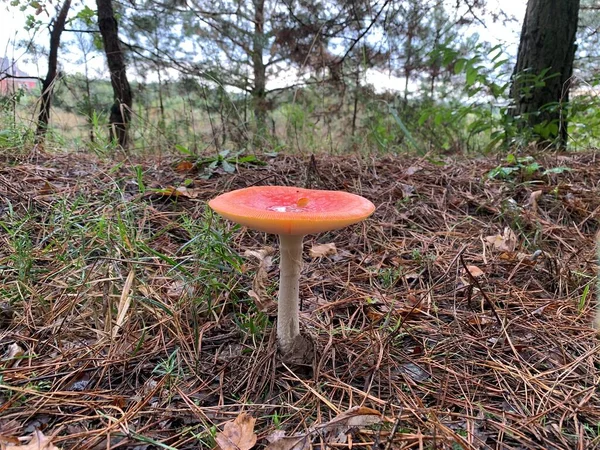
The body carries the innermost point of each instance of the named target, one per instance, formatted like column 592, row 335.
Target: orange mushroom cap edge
column 292, row 210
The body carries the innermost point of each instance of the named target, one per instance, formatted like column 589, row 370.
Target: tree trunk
column 48, row 84
column 259, row 90
column 161, row 106
column 547, row 44
column 356, row 94
column 89, row 110
column 120, row 112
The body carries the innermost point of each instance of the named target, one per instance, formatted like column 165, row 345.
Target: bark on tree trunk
column 356, row 94
column 120, row 112
column 48, row 84
column 259, row 92
column 547, row 43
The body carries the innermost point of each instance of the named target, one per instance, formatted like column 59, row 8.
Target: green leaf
column 459, row 65
column 423, row 118
column 183, row 149
column 556, row 170
column 227, row 167
column 406, row 132
column 495, row 141
column 251, row 159
column 471, row 76
column 501, row 172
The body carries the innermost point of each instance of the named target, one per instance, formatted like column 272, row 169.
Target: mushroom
column 291, row 213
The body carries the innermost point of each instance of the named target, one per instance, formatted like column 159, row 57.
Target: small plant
column 523, row 168
column 389, row 276
column 169, row 367
column 225, row 160
column 139, row 177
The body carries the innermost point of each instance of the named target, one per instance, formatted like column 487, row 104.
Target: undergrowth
column 127, row 319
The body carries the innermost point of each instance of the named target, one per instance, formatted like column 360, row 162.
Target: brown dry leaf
column 179, row 289
column 481, row 320
column 375, row 316
column 358, row 416
column 412, row 277
column 8, row 431
column 475, row 271
column 39, row 442
column 13, row 355
column 47, row 189
column 180, row 191
column 412, row 299
column 238, row 434
column 320, row 250
column 124, row 303
column 14, row 351
column 184, row 166
column 533, row 200
column 261, row 254
column 278, row 441
column 264, row 302
column 412, row 170
column 506, row 242
column 334, row 431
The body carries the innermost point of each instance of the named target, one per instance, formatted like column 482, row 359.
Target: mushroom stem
column 290, row 265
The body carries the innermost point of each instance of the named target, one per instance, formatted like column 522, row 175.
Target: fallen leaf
column 407, row 190
column 260, row 254
column 475, row 271
column 278, row 441
column 14, row 351
column 414, row 371
column 412, row 170
column 47, row 189
column 358, row 416
column 179, row 289
column 39, row 442
column 334, row 431
column 540, row 311
column 480, row 320
column 412, row 277
column 533, row 200
column 375, row 316
column 412, row 299
column 184, row 166
column 237, row 434
column 506, row 242
column 124, row 303
column 171, row 191
column 8, row 431
column 259, row 292
column 320, row 250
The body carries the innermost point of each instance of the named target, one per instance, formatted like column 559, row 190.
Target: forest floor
column 458, row 316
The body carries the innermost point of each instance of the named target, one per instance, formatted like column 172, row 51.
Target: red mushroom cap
column 292, row 210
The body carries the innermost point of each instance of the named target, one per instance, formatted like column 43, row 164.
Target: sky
column 13, row 30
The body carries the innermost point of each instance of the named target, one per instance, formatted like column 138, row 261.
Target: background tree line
column 288, row 73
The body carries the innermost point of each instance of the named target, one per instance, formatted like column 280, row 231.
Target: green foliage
column 226, row 160
column 456, row 96
column 522, row 168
